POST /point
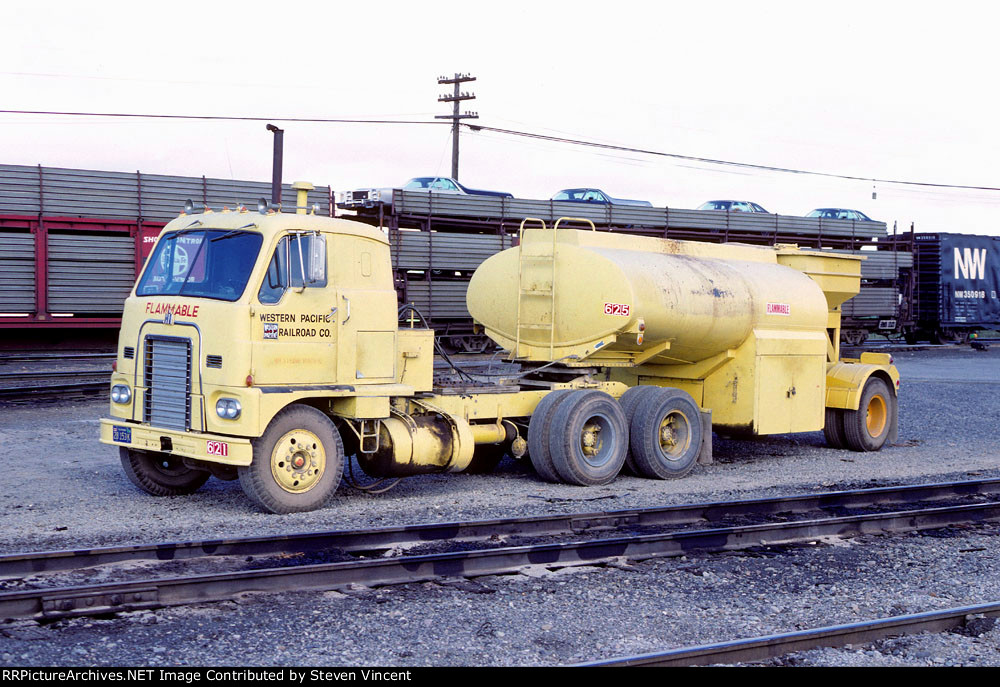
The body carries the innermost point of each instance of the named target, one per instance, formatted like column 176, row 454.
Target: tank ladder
column 536, row 285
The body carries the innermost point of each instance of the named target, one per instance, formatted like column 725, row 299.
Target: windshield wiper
column 234, row 232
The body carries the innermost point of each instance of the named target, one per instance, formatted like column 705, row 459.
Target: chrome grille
column 167, row 379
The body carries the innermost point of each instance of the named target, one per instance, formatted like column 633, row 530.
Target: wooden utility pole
column 455, row 117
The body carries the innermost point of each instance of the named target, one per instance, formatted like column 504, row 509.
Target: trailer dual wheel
column 833, row 428
column 297, row 462
column 630, row 401
column 666, row 434
column 161, row 474
column 868, row 427
column 588, row 438
column 538, row 434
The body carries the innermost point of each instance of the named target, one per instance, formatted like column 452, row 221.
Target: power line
column 713, row 161
column 320, row 120
column 514, row 132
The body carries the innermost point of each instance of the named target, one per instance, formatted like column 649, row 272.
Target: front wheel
column 160, row 474
column 297, row 463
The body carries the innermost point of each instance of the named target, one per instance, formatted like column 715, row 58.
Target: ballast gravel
column 62, row 489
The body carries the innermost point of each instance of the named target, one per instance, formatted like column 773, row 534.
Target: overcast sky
column 889, row 90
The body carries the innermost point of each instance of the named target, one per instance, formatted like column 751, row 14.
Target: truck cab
column 235, row 314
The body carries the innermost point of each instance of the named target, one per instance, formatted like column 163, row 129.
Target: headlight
column 120, row 393
column 228, row 408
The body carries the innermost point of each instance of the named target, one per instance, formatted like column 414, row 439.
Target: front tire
column 160, row 474
column 297, row 463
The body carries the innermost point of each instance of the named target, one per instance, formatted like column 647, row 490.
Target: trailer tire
column 161, row 474
column 538, row 435
column 868, row 427
column 666, row 435
column 833, row 428
column 297, row 463
column 588, row 438
column 629, row 401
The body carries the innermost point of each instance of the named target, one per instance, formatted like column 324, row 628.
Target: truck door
column 366, row 311
column 294, row 333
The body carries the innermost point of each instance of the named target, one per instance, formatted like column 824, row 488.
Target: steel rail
column 378, row 539
column 155, row 593
column 770, row 646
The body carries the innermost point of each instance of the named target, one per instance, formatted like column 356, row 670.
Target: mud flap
column 894, row 423
column 705, row 457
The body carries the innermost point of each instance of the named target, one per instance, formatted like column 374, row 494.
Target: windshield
column 581, row 194
column 715, row 205
column 204, row 263
column 419, row 182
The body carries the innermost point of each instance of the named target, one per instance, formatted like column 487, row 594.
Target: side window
column 285, row 270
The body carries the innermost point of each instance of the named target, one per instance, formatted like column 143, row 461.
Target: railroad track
column 36, row 384
column 321, row 561
column 18, row 357
column 771, row 646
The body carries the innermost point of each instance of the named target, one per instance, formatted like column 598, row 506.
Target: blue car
column 593, row 195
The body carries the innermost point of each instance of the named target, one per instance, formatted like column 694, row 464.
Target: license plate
column 218, row 448
column 123, row 434
column 887, row 324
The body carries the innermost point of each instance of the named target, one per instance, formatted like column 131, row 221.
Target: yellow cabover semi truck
column 266, row 346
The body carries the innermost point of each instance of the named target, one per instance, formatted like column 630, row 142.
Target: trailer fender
column 845, row 382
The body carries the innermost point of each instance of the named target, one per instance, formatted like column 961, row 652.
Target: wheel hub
column 675, row 433
column 298, row 461
column 591, row 439
column 876, row 417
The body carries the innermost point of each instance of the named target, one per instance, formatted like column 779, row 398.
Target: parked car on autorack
column 840, row 213
column 732, row 206
column 370, row 197
column 594, row 195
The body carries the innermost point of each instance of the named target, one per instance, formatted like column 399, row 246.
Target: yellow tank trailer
column 265, row 347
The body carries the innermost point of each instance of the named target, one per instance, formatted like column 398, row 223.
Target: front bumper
column 212, row 448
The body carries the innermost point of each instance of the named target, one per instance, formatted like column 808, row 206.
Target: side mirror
column 317, row 258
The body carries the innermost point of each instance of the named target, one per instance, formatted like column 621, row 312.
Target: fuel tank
column 571, row 294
